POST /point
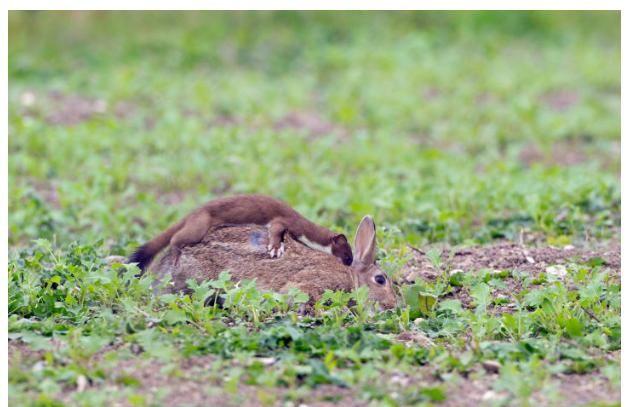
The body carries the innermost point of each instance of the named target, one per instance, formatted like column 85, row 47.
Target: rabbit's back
column 242, row 251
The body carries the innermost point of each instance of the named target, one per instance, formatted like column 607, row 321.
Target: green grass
column 448, row 128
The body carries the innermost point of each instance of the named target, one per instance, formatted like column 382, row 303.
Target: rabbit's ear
column 365, row 241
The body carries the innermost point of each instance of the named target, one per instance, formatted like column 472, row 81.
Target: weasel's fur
column 279, row 217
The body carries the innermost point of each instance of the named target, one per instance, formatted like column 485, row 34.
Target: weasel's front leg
column 276, row 231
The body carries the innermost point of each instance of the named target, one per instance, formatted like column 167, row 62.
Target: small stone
column 115, row 259
column 492, row 366
column 558, row 270
column 267, row 361
column 568, row 247
column 411, row 276
column 528, row 257
column 100, row 106
column 456, row 271
column 136, row 348
column 491, row 395
column 401, row 380
column 81, row 383
column 424, row 341
column 28, row 99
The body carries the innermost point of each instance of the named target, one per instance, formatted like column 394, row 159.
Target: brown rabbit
column 242, row 251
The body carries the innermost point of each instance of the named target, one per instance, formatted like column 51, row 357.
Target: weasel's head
column 341, row 248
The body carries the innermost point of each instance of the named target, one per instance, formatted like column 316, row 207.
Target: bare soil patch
column 560, row 100
column 505, row 256
column 562, row 154
column 20, row 351
column 63, row 109
column 509, row 256
column 224, row 121
column 572, row 150
column 311, row 122
column 479, row 388
column 569, row 390
column 47, row 191
column 188, row 381
column 69, row 110
column 580, row 390
column 192, row 381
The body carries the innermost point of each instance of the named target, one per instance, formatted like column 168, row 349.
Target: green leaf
column 457, row 279
column 435, row 394
column 43, row 243
column 298, row 297
column 596, row 261
column 420, row 303
column 137, row 400
column 572, row 353
column 426, row 302
column 482, row 296
column 451, row 305
column 175, row 316
column 434, row 256
column 92, row 344
column 574, row 327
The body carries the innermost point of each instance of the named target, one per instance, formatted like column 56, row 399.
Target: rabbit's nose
column 382, row 306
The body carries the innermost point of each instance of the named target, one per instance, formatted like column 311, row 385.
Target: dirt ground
column 187, row 380
column 509, row 256
column 505, row 256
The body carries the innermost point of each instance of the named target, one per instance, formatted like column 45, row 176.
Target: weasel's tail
column 146, row 252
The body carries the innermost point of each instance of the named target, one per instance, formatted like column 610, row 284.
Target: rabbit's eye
column 380, row 279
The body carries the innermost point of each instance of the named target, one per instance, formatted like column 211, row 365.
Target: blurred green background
column 446, row 127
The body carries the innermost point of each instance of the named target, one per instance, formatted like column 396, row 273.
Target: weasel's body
column 279, row 218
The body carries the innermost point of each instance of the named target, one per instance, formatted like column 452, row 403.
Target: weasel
column 279, row 218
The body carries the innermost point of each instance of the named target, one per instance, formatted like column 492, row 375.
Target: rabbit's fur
column 242, row 251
